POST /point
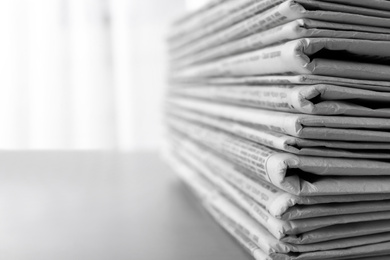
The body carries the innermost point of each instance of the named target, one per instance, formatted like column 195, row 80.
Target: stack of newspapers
column 278, row 118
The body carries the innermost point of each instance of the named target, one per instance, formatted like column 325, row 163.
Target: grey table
column 102, row 205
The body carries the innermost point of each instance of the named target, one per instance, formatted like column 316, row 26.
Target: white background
column 83, row 74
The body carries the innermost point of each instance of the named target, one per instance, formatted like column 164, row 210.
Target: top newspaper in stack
column 240, row 18
column 301, row 28
column 305, row 56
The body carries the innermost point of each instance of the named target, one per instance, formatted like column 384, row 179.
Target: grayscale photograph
column 195, row 129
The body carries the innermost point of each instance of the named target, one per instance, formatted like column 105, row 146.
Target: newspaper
column 338, row 128
column 374, row 4
column 335, row 232
column 212, row 14
column 197, row 14
column 289, row 143
column 259, row 254
column 295, row 231
column 246, row 242
column 284, row 79
column 284, row 229
column 343, row 8
column 300, row 175
column 301, row 28
column 208, row 13
column 225, row 16
column 258, row 233
column 385, row 257
column 285, row 12
column 277, row 202
column 310, row 99
column 226, row 212
column 281, row 204
column 351, row 58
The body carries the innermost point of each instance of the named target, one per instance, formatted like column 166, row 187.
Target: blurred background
column 84, row 74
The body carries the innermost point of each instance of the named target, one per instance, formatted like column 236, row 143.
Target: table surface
column 103, row 205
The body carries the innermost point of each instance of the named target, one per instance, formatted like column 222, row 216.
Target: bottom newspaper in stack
column 281, row 205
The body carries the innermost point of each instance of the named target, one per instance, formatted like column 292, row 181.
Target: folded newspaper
column 359, row 59
column 310, row 99
column 301, row 231
column 374, row 4
column 278, row 120
column 266, row 14
column 383, row 86
column 229, row 215
column 288, row 143
column 278, row 202
column 209, row 14
column 362, row 129
column 301, row 28
column 266, row 209
column 300, row 175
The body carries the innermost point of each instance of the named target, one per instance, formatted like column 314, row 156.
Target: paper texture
column 343, row 8
column 275, row 170
column 191, row 16
column 374, row 4
column 227, row 213
column 318, row 56
column 278, row 120
column 289, row 143
column 266, row 194
column 294, row 231
column 303, row 175
column 316, row 99
column 301, row 28
column 210, row 13
column 339, row 128
column 383, row 86
column 285, row 12
column 224, row 16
